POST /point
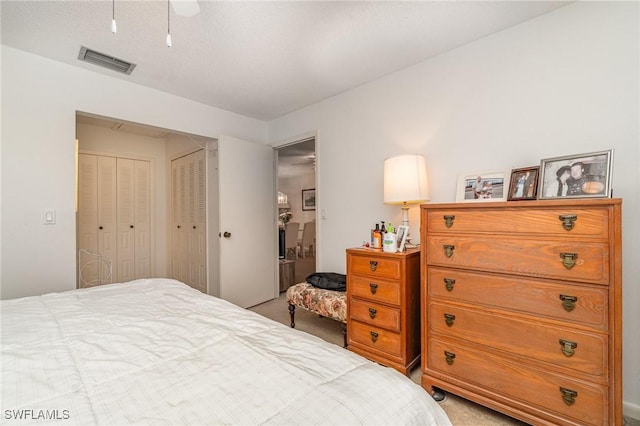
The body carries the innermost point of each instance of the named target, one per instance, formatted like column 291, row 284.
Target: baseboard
column 631, row 410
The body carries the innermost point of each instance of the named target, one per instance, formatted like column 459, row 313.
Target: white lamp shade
column 405, row 179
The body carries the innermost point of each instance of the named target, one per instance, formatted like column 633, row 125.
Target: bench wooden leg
column 292, row 313
column 344, row 333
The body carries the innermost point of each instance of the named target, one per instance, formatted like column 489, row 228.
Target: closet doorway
column 124, row 191
column 297, row 193
column 224, row 225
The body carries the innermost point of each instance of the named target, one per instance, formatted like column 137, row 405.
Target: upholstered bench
column 326, row 303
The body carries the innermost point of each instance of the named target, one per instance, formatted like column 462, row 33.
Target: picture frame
column 309, row 199
column 401, row 237
column 482, row 186
column 524, row 184
column 577, row 176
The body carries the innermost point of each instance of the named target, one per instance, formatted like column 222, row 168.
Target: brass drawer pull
column 448, row 220
column 373, row 264
column 448, row 249
column 372, row 313
column 449, row 357
column 449, row 319
column 568, row 221
column 568, row 348
column 569, row 259
column 568, row 395
column 449, row 282
column 373, row 287
column 374, row 336
column 568, row 302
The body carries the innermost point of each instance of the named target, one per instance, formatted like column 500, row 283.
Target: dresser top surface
column 571, row 202
column 379, row 252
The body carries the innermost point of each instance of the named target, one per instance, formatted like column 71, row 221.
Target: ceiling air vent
column 105, row 61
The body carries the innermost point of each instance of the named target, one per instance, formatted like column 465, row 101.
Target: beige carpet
column 460, row 411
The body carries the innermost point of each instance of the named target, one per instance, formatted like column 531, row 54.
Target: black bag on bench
column 328, row 281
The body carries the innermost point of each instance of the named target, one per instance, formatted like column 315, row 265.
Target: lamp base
column 405, row 222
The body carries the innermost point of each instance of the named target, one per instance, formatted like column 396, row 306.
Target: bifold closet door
column 114, row 214
column 188, row 220
column 133, row 219
column 179, row 215
column 197, row 235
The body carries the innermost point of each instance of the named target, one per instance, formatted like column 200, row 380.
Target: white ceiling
column 261, row 59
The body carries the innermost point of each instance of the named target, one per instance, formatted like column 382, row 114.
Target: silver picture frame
column 576, row 176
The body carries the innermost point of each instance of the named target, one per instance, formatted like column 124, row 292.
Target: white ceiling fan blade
column 185, row 7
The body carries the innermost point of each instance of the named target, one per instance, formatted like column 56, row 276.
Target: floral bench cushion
column 328, row 303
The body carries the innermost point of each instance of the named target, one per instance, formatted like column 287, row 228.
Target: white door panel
column 247, row 212
column 107, row 232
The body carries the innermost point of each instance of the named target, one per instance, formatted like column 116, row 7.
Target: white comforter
column 159, row 352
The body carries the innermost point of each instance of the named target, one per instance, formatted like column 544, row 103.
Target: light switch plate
column 48, row 217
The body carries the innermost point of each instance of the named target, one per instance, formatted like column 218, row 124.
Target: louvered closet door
column 188, row 206
column 142, row 219
column 126, row 220
column 88, row 213
column 181, row 212
column 176, row 220
column 114, row 215
column 133, row 200
column 197, row 236
column 107, row 215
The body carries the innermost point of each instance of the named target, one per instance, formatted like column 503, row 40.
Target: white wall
column 293, row 186
column 40, row 98
column 562, row 84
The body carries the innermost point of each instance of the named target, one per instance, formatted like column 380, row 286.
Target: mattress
column 159, row 352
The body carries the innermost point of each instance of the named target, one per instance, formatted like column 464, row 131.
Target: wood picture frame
column 577, row 176
column 524, row 184
column 309, row 199
column 482, row 186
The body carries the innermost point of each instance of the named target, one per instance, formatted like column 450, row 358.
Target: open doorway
column 296, row 178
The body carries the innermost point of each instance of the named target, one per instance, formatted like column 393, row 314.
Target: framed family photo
column 309, row 199
column 485, row 186
column 524, row 184
column 577, row 176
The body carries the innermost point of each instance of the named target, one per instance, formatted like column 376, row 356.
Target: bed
column 159, row 352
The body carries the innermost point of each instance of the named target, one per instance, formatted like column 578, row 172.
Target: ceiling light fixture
column 169, row 42
column 114, row 27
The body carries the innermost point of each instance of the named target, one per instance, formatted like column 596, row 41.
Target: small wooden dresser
column 521, row 307
column 383, row 306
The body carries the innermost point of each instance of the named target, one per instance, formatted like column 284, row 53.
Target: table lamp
column 405, row 182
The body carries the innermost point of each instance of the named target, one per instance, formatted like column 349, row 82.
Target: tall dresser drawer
column 555, row 259
column 379, row 267
column 578, row 350
column 563, row 301
column 377, row 338
column 581, row 401
column 375, row 289
column 564, row 222
column 374, row 314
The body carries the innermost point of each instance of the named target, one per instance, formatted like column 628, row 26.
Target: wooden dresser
column 521, row 307
column 383, row 306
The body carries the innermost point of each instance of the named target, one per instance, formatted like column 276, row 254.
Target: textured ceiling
column 260, row 59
